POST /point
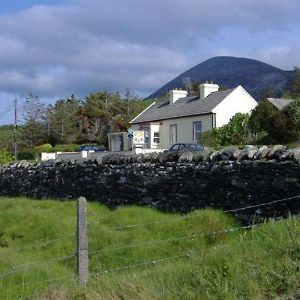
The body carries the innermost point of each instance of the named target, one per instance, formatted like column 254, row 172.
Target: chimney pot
column 207, row 88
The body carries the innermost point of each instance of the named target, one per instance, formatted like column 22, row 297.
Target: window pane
column 197, row 131
column 175, row 147
column 173, row 133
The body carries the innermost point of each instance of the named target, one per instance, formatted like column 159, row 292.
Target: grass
column 165, row 260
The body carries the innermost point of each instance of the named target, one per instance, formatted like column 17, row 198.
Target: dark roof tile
column 183, row 107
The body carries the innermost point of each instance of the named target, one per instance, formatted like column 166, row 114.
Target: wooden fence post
column 82, row 242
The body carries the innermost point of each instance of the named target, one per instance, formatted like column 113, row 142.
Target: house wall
column 184, row 129
column 239, row 101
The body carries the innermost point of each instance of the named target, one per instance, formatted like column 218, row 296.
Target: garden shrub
column 5, row 157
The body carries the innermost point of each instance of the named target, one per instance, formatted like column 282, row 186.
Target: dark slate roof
column 280, row 103
column 183, row 107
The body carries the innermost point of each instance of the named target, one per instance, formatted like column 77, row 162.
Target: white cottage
column 182, row 119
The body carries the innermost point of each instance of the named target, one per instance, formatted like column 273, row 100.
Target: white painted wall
column 239, row 101
column 184, row 130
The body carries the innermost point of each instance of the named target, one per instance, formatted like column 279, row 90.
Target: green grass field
column 164, row 257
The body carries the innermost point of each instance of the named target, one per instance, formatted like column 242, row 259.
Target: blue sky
column 58, row 48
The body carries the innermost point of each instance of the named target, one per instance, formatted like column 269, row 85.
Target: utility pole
column 15, row 129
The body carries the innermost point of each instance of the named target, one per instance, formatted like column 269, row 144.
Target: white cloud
column 89, row 45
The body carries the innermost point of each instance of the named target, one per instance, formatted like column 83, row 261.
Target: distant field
column 140, row 253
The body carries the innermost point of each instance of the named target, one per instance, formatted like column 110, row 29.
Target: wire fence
column 26, row 280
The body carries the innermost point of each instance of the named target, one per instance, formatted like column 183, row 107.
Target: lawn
column 140, row 253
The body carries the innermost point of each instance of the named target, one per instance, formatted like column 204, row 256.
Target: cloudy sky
column 55, row 48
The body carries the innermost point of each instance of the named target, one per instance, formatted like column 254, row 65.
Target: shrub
column 236, row 132
column 26, row 155
column 43, row 148
column 66, row 148
column 5, row 157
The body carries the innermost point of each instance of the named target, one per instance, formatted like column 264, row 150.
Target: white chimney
column 177, row 94
column 207, row 88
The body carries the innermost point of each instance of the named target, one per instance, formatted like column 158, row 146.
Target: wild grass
column 165, row 257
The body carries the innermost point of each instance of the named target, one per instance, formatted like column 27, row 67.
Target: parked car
column 91, row 148
column 176, row 150
column 182, row 147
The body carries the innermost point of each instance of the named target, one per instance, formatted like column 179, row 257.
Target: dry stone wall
column 227, row 179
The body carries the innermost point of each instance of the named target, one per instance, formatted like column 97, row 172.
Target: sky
column 55, row 48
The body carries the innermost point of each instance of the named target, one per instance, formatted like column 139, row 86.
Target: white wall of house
column 239, row 101
column 185, row 130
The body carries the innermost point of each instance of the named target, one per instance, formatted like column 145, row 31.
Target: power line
column 6, row 110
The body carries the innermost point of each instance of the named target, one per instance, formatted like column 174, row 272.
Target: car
column 92, row 148
column 176, row 150
column 182, row 147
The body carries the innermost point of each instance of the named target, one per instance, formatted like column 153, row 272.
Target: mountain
column 255, row 76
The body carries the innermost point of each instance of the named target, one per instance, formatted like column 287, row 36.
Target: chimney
column 177, row 94
column 207, row 88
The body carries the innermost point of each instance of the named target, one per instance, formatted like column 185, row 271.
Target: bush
column 26, row 155
column 5, row 157
column 43, row 148
column 236, row 132
column 66, row 148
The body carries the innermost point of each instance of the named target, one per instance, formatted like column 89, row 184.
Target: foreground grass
column 164, row 258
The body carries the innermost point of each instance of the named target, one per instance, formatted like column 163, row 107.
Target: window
column 175, row 147
column 156, row 137
column 173, row 134
column 196, row 131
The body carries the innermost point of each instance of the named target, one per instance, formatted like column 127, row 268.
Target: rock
column 295, row 154
column 276, row 151
column 248, row 152
column 261, row 152
column 229, row 153
column 186, row 157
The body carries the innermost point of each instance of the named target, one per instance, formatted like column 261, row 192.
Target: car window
column 192, row 147
column 199, row 147
column 182, row 146
column 174, row 147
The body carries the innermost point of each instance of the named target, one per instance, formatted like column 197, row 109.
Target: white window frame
column 172, row 139
column 156, row 139
column 195, row 132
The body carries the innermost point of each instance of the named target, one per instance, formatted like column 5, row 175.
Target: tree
column 261, row 117
column 236, row 132
column 295, row 85
column 35, row 120
column 62, row 120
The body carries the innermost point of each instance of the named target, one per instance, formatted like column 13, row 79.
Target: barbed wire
column 153, row 242
column 187, row 253
column 262, row 204
column 38, row 243
column 192, row 216
column 52, row 285
column 29, row 265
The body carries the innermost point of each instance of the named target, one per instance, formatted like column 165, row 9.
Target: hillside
column 230, row 72
column 140, row 253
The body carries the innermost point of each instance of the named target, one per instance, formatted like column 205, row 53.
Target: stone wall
column 227, row 179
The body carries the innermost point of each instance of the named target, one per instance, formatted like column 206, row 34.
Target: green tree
column 35, row 120
column 261, row 117
column 62, row 120
column 295, row 85
column 236, row 132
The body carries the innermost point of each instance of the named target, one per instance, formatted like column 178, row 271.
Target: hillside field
column 140, row 253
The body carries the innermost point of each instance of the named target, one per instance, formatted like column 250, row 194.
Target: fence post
column 82, row 242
